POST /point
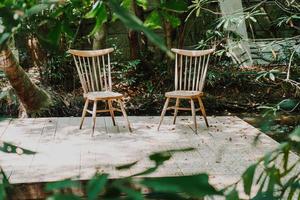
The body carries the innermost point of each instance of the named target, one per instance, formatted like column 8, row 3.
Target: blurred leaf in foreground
column 10, row 148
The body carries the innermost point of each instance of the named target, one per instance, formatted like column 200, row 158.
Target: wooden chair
column 190, row 73
column 94, row 70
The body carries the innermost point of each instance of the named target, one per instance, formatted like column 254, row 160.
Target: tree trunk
column 99, row 41
column 169, row 42
column 37, row 56
column 134, row 44
column 22, row 111
column 168, row 34
column 32, row 97
column 181, row 36
column 133, row 37
column 139, row 12
column 182, row 31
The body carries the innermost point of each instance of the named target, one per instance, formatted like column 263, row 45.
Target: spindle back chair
column 190, row 73
column 94, row 70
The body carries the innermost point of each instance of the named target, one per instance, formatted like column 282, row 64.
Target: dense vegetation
column 42, row 34
column 35, row 35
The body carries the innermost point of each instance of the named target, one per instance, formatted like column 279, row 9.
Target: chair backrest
column 94, row 70
column 190, row 68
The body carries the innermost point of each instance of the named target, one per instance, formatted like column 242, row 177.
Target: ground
column 224, row 150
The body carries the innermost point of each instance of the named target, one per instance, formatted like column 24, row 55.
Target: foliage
column 13, row 15
column 279, row 130
column 286, row 105
column 10, row 148
column 127, row 72
column 14, row 12
column 274, row 182
column 99, row 13
column 4, row 183
column 134, row 23
column 8, row 99
column 165, row 11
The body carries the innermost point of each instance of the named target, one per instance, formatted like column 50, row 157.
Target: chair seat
column 103, row 95
column 183, row 94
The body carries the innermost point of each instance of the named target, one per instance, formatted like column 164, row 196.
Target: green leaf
column 2, row 191
column 4, row 38
column 195, row 186
column 175, row 5
column 291, row 186
column 272, row 76
column 233, row 195
column 4, row 184
column 274, row 179
column 295, row 135
column 99, row 12
column 10, row 148
column 66, row 29
column 58, row 12
column 54, row 35
column 127, row 166
column 285, row 159
column 226, row 24
column 142, row 3
column 181, row 150
column 2, row 75
column 288, row 104
column 264, row 196
column 37, row 9
column 95, row 9
column 130, row 193
column 291, row 193
column 134, row 23
column 102, row 17
column 248, row 177
column 67, row 183
column 253, row 19
column 174, row 21
column 160, row 158
column 96, row 185
column 153, row 21
column 126, row 4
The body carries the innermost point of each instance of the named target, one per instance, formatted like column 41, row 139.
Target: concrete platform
column 224, row 150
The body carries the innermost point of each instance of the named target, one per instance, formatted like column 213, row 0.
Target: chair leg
column 194, row 114
column 84, row 112
column 124, row 114
column 112, row 114
column 202, row 108
column 94, row 116
column 176, row 110
column 163, row 112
